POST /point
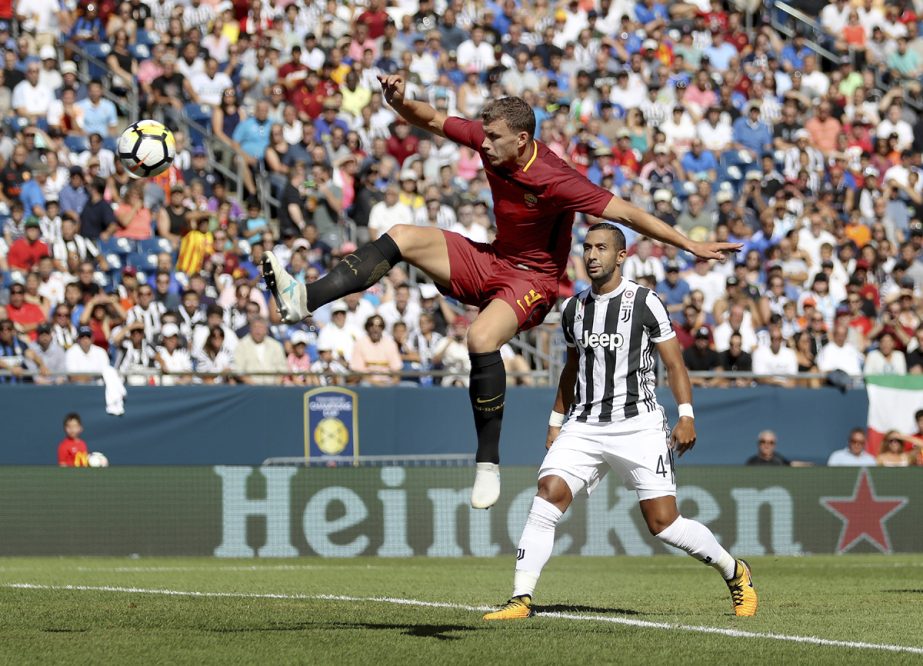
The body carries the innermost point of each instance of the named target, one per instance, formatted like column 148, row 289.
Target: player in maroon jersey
column 514, row 280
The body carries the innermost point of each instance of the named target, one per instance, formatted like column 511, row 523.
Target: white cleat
column 289, row 293
column 486, row 490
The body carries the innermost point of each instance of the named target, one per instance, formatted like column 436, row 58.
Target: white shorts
column 637, row 449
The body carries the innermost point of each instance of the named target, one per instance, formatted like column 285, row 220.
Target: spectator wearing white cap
column 299, row 362
column 257, row 352
column 172, row 358
column 50, row 77
column 337, row 335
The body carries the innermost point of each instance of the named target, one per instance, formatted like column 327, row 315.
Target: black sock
column 487, row 391
column 355, row 272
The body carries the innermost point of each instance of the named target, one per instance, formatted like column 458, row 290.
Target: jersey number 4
column 662, row 466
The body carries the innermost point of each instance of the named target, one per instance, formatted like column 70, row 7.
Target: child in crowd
column 72, row 451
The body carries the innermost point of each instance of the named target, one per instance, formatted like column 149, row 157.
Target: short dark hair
column 918, row 415
column 861, row 431
column 606, row 226
column 72, row 416
column 514, row 110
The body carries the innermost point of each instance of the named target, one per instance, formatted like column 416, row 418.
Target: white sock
column 535, row 545
column 697, row 540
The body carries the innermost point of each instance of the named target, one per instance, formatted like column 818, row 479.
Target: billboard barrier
column 228, row 511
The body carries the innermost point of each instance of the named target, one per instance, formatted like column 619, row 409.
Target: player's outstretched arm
column 416, row 113
column 620, row 211
column 683, row 436
column 565, row 397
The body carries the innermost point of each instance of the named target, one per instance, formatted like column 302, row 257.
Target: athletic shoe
column 486, row 490
column 517, row 608
column 743, row 595
column 289, row 293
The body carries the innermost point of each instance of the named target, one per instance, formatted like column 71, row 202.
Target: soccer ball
column 146, row 149
column 97, row 459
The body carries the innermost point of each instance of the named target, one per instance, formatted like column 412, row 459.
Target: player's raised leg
column 423, row 247
column 493, row 328
column 535, row 546
column 665, row 522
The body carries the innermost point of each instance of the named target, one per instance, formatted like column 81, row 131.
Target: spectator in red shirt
column 292, row 73
column 309, row 96
column 375, row 17
column 72, row 451
column 26, row 316
column 401, row 144
column 857, row 319
column 26, row 251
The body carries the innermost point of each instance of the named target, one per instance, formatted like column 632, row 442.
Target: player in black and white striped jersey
column 615, row 334
column 606, row 416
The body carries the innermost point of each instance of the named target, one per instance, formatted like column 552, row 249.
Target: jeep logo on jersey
column 594, row 340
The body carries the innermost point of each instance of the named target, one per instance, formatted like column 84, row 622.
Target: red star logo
column 863, row 515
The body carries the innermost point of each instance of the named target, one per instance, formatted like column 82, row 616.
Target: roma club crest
column 331, row 423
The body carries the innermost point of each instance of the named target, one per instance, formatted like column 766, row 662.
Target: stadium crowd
column 726, row 132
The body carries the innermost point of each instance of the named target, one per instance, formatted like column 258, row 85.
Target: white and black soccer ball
column 97, row 459
column 146, row 148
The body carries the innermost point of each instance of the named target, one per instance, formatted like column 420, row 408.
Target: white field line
column 643, row 624
column 228, row 567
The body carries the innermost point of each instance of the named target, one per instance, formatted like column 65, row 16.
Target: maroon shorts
column 479, row 275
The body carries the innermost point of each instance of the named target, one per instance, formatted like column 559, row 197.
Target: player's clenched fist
column 393, row 88
column 683, row 437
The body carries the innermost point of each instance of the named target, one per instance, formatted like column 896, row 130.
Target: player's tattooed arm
column 683, row 436
column 416, row 113
column 620, row 211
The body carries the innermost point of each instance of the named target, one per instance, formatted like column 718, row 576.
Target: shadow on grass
column 904, row 591
column 437, row 631
column 574, row 608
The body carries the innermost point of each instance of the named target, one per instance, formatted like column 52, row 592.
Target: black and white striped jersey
column 615, row 334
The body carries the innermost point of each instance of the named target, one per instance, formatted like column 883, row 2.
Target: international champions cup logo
column 331, row 423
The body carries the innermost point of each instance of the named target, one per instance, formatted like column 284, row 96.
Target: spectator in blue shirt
column 649, row 13
column 720, row 52
column 700, row 162
column 253, row 133
column 752, row 134
column 325, row 123
column 73, row 196
column 99, row 115
column 88, row 28
column 793, row 54
column 31, row 195
column 673, row 289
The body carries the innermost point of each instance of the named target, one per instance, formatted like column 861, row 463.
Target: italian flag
column 893, row 400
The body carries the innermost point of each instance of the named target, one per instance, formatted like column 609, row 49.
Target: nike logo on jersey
column 594, row 340
column 482, row 401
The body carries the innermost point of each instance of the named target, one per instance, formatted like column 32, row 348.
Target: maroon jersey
column 534, row 205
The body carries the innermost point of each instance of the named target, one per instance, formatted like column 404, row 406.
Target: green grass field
column 592, row 610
